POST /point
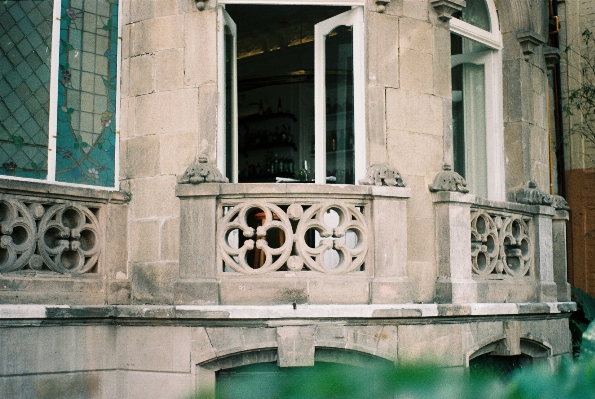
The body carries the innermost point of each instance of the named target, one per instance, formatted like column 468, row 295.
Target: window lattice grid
column 87, row 92
column 25, row 41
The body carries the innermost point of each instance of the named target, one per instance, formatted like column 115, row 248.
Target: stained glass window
column 84, row 146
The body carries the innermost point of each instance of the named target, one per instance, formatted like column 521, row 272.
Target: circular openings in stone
column 4, row 255
column 4, row 212
column 71, row 218
column 87, row 240
column 70, row 259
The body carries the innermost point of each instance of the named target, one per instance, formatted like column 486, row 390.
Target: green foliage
column 567, row 380
column 581, row 100
column 581, row 318
column 570, row 380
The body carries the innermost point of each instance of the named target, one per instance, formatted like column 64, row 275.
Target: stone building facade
column 575, row 18
column 423, row 125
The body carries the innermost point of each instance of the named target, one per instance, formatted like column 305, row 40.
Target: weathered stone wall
column 167, row 352
column 168, row 104
column 575, row 17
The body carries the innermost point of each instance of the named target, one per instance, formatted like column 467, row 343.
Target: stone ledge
column 62, row 191
column 298, row 190
column 11, row 312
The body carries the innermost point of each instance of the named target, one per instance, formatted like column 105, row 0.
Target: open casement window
column 338, row 59
column 291, row 97
column 477, row 99
column 59, row 91
column 227, row 144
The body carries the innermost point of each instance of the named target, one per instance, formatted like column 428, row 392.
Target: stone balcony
column 498, row 252
column 270, row 244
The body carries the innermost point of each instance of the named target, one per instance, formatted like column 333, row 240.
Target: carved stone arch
column 500, row 345
column 526, row 20
column 514, row 15
column 205, row 372
column 488, row 345
column 536, row 349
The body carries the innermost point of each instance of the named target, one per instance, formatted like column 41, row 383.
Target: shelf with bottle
column 271, row 167
column 258, row 139
column 266, row 115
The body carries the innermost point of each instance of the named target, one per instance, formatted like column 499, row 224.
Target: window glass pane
column 275, row 78
column 476, row 13
column 469, row 113
column 339, row 105
column 25, row 41
column 86, row 136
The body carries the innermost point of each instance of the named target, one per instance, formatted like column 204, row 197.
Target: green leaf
column 69, row 117
column 587, row 302
column 70, row 110
column 84, row 145
column 588, row 342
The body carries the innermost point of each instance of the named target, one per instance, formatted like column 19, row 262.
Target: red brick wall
column 581, row 251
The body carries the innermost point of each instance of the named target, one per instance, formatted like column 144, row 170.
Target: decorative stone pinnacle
column 381, row 5
column 446, row 8
column 558, row 202
column 531, row 195
column 202, row 172
column 448, row 180
column 382, row 175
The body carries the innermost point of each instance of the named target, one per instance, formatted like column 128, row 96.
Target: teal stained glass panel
column 25, row 43
column 86, row 131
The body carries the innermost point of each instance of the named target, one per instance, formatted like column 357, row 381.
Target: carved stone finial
column 202, row 172
column 382, row 175
column 560, row 203
column 446, row 8
column 529, row 40
column 531, row 195
column 381, row 5
column 448, row 180
column 200, row 5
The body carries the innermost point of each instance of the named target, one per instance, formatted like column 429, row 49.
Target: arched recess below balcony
column 505, row 355
column 225, row 371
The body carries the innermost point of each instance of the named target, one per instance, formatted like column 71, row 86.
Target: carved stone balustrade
column 268, row 244
column 492, row 251
column 55, row 247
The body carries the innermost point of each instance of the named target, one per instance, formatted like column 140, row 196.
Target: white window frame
column 355, row 19
column 494, row 97
column 53, row 108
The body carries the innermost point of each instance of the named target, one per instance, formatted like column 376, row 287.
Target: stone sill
column 450, row 197
column 264, row 190
column 59, row 191
column 182, row 312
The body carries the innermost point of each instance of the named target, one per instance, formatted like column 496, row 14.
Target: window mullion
column 319, row 106
column 53, row 108
column 359, row 96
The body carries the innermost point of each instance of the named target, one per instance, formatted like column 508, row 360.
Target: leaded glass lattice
column 25, row 41
column 86, row 138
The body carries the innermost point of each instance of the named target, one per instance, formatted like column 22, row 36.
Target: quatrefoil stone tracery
column 295, row 252
column 237, row 219
column 350, row 219
column 69, row 238
column 500, row 245
column 17, row 235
